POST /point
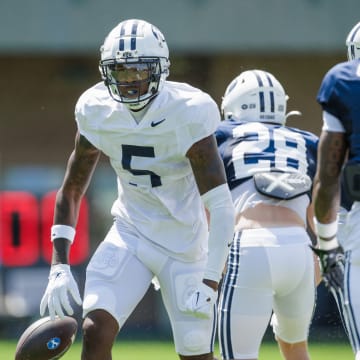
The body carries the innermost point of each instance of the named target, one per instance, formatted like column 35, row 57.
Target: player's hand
column 332, row 267
column 201, row 302
column 56, row 296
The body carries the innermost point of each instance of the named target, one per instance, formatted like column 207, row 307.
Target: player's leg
column 296, row 351
column 245, row 304
column 294, row 298
column 351, row 306
column 193, row 337
column 111, row 294
column 99, row 332
column 338, row 293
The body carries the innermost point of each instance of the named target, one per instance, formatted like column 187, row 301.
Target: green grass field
column 153, row 350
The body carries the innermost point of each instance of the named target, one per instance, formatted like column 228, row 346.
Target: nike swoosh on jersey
column 197, row 297
column 156, row 123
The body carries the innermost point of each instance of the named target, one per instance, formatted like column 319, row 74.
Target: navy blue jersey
column 339, row 95
column 250, row 147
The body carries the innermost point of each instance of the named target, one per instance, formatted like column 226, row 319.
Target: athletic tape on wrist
column 327, row 231
column 63, row 231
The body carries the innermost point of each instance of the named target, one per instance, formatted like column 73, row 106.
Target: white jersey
column 157, row 192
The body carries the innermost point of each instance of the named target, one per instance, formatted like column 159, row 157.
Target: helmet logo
column 127, row 54
column 156, row 32
column 248, row 106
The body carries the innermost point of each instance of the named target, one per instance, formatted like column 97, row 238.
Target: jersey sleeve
column 80, row 117
column 201, row 120
column 86, row 126
column 332, row 123
column 328, row 96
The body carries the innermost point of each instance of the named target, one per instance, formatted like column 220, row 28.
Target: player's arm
column 206, row 164
column 326, row 193
column 79, row 170
column 210, row 177
column 310, row 228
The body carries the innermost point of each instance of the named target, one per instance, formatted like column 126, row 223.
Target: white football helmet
column 255, row 95
column 353, row 43
column 138, row 45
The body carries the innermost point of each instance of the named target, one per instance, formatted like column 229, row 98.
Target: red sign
column 25, row 224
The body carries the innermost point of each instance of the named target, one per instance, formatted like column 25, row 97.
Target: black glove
column 332, row 267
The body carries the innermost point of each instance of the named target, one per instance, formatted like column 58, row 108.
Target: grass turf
column 154, row 350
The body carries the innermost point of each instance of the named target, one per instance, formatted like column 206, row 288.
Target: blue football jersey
column 247, row 148
column 339, row 95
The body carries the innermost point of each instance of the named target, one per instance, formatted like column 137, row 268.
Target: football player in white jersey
column 339, row 158
column 269, row 168
column 159, row 138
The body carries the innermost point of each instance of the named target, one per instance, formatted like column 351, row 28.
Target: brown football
column 46, row 339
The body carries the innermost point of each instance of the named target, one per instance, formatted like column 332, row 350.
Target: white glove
column 56, row 297
column 201, row 302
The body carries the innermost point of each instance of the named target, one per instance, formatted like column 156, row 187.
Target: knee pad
column 195, row 340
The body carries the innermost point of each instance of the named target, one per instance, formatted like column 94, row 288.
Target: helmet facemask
column 134, row 63
column 133, row 83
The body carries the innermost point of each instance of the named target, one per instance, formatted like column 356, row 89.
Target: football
column 46, row 339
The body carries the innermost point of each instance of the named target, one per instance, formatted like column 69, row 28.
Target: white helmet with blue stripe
column 134, row 47
column 353, row 43
column 255, row 96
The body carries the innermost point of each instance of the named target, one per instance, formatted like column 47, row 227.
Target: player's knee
column 99, row 327
column 195, row 341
